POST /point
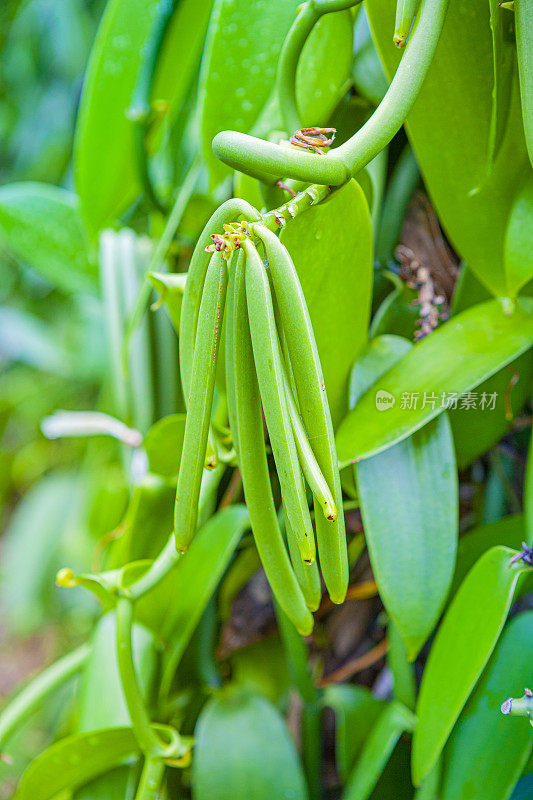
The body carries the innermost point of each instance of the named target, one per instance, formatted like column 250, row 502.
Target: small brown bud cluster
column 313, row 139
column 229, row 241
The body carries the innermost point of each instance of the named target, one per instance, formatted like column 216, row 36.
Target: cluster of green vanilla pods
column 250, row 286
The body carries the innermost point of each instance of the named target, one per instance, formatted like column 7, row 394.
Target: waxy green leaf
column 409, row 505
column 321, row 79
column 449, row 129
column 524, row 45
column 331, row 246
column 456, row 358
column 163, row 444
column 412, row 553
column 176, row 604
column 393, row 721
column 243, row 751
column 519, row 239
column 462, row 647
column 41, row 226
column 503, row 57
column 105, row 165
column 104, row 135
column 482, row 736
column 74, row 761
column 235, row 82
column 476, row 430
column 367, row 72
column 508, row 531
column 170, row 288
column 245, row 100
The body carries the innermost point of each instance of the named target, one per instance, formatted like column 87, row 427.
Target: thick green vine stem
column 156, row 741
column 151, row 779
column 278, row 218
column 291, row 51
column 147, row 739
column 256, row 157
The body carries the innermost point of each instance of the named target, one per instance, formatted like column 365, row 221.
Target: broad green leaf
column 503, row 57
column 412, row 551
column 451, row 148
column 367, row 72
column 392, row 722
column 236, row 80
column 395, row 781
column 457, row 357
column 519, row 239
column 297, row 656
column 508, row 531
column 262, row 667
column 377, row 358
column 41, row 226
column 176, row 604
column 28, row 339
column 476, row 430
column 412, row 555
column 74, row 761
column 461, row 649
column 31, row 551
column 482, row 736
column 320, row 83
column 148, row 519
column 401, row 187
column 243, row 751
column 163, row 444
column 468, row 290
column 396, row 314
column 356, row 710
column 524, row 45
column 170, row 288
column 528, row 493
column 331, row 246
column 104, row 144
column 320, row 79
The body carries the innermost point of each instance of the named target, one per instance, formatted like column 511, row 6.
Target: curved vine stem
column 288, row 64
column 257, row 157
column 151, row 779
column 146, row 738
column 291, row 51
